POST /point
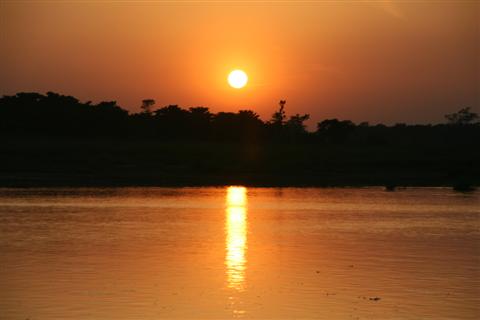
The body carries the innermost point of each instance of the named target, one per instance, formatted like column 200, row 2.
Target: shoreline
column 43, row 162
column 204, row 182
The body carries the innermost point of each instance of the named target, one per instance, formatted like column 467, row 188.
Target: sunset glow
column 247, row 159
column 327, row 59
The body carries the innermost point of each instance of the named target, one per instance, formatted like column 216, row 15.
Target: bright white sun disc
column 237, row 79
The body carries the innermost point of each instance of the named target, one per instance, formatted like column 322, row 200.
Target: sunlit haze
column 379, row 61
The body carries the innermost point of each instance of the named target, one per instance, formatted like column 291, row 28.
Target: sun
column 237, row 79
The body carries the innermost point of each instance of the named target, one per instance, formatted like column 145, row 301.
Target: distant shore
column 56, row 140
column 83, row 182
column 47, row 162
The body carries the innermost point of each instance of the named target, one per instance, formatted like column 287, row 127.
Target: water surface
column 150, row 253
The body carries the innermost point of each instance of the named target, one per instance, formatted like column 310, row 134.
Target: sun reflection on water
column 236, row 240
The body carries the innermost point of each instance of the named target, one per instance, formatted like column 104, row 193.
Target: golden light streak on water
column 236, row 237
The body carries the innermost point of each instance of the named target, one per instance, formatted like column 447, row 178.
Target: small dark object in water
column 390, row 187
column 318, row 271
column 463, row 187
column 374, row 298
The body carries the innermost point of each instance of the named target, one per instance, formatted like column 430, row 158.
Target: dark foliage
column 462, row 117
column 56, row 139
column 26, row 114
column 58, row 115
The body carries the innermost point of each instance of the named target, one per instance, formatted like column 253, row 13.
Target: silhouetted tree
column 251, row 126
column 296, row 123
column 276, row 125
column 53, row 114
column 295, row 126
column 462, row 117
column 172, row 122
column 364, row 124
column 278, row 117
column 226, row 144
column 199, row 123
column 147, row 105
column 333, row 130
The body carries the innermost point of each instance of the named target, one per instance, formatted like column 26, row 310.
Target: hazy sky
column 383, row 61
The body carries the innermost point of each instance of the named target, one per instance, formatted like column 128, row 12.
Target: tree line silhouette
column 56, row 140
column 52, row 114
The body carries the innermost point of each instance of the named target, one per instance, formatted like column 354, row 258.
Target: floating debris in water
column 374, row 298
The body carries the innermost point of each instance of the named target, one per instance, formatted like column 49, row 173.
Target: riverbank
column 81, row 163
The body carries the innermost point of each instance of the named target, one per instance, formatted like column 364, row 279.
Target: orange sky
column 380, row 61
